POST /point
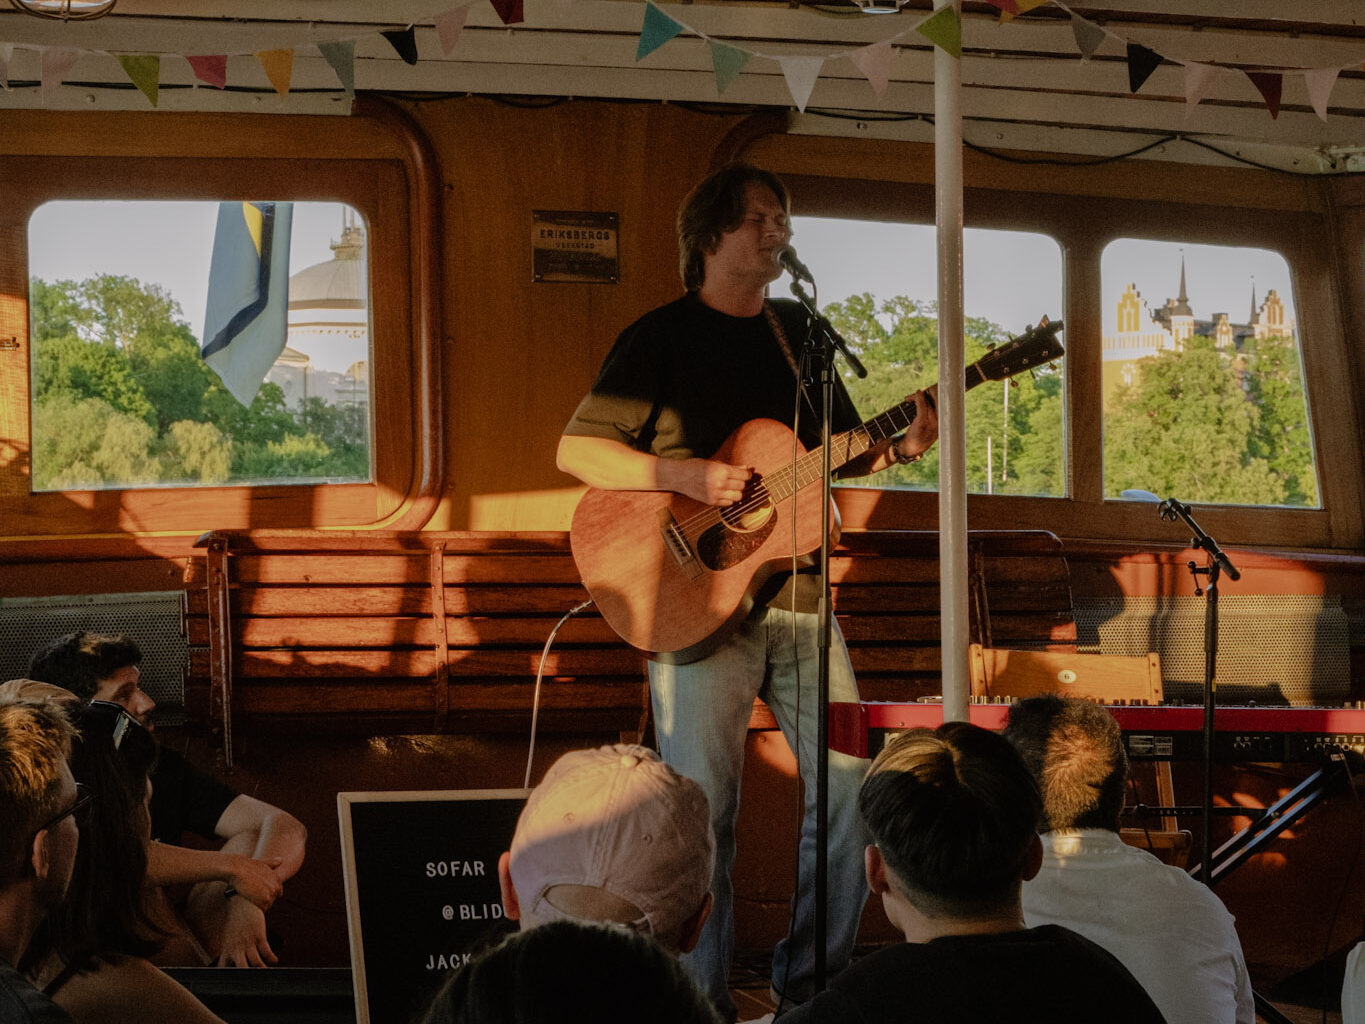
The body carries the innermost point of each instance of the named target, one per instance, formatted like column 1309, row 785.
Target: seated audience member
column 951, row 813
column 262, row 846
column 39, row 801
column 568, row 972
column 90, row 957
column 1171, row 931
column 614, row 835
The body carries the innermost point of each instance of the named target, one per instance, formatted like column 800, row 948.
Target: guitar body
column 673, row 576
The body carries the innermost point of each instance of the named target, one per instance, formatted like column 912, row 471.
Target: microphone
column 791, row 263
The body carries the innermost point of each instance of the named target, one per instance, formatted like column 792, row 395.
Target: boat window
column 179, row 344
column 878, row 284
column 1202, row 377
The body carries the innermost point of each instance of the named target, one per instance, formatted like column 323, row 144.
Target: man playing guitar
column 676, row 385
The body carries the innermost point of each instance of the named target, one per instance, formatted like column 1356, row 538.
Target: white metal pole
column 952, row 472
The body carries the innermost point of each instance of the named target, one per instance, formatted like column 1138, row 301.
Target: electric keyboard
column 1163, row 732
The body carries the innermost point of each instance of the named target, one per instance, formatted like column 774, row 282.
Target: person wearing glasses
column 39, row 801
column 91, row 955
column 262, row 846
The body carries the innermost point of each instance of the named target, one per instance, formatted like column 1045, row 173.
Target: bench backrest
column 434, row 632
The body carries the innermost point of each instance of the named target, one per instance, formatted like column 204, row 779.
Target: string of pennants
column 943, row 28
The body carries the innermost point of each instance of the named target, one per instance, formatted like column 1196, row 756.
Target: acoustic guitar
column 673, row 576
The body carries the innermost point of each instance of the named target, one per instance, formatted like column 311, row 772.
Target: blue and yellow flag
column 247, row 318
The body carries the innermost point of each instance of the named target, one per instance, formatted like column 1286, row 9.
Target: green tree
column 87, row 443
column 68, row 367
column 1185, row 428
column 1274, row 381
column 198, row 451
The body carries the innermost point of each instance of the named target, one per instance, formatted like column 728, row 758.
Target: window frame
column 375, row 161
column 1083, row 223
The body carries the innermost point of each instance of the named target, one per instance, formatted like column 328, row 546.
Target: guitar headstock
column 1036, row 346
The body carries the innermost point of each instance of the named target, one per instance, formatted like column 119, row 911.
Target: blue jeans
column 701, row 718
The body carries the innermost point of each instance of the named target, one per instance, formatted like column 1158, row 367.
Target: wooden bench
column 381, row 633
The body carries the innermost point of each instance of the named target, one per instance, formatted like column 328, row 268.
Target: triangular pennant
column 944, row 30
column 340, row 57
column 404, row 42
column 657, row 29
column 449, row 25
column 56, row 62
column 801, row 73
column 1088, row 35
column 6, row 52
column 279, row 68
column 1141, row 63
column 144, row 71
column 875, row 63
column 1269, row 84
column 211, row 70
column 1198, row 81
column 1006, row 6
column 510, row 11
column 728, row 61
column 1320, row 82
column 1020, row 7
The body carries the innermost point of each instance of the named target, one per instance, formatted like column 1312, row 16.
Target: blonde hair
column 35, row 741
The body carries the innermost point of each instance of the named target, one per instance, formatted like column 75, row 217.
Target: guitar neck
column 847, row 446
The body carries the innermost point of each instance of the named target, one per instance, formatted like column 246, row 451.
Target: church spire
column 1181, row 307
column 1254, row 310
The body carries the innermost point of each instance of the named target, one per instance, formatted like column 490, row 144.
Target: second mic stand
column 1217, row 563
column 821, row 341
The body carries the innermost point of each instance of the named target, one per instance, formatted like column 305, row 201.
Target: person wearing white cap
column 613, row 835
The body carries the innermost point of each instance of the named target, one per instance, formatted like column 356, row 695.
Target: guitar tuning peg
column 1014, row 382
column 1052, row 367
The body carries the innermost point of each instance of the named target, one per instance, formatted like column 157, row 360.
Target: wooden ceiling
column 1025, row 83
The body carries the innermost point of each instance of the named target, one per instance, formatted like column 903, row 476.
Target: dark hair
column 714, row 207
column 564, row 972
column 79, row 661
column 1074, row 748
column 953, row 811
column 103, row 913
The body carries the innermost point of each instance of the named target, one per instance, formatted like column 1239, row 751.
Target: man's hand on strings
column 923, row 432
column 708, row 481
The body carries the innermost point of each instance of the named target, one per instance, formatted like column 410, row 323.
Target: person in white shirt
column 1171, row 931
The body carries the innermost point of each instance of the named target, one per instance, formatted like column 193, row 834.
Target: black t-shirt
column 1041, row 974
column 184, row 799
column 683, row 377
column 21, row 1003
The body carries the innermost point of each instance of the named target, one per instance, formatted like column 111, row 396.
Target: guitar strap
column 775, row 323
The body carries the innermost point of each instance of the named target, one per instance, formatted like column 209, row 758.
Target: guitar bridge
column 677, row 544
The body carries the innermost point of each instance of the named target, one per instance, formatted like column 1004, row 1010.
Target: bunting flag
column 144, row 71
column 1320, row 84
column 6, row 52
column 404, row 42
column 279, row 68
column 510, row 11
column 340, row 57
column 449, row 25
column 801, row 73
column 1198, row 82
column 1088, row 36
column 944, row 30
column 1269, row 85
column 1141, row 63
column 247, row 316
column 211, row 70
column 728, row 61
column 56, row 62
column 657, row 29
column 1020, row 7
column 875, row 63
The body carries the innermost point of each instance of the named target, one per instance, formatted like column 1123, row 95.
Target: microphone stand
column 1217, row 563
column 821, row 341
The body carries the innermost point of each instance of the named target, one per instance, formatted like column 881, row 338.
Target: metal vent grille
column 152, row 620
column 1272, row 649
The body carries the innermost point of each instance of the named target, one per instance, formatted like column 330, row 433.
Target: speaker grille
column 152, row 620
column 1272, row 649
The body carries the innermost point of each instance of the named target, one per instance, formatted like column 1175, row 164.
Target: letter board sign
column 421, row 872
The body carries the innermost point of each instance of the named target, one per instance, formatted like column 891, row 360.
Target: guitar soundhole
column 743, row 528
